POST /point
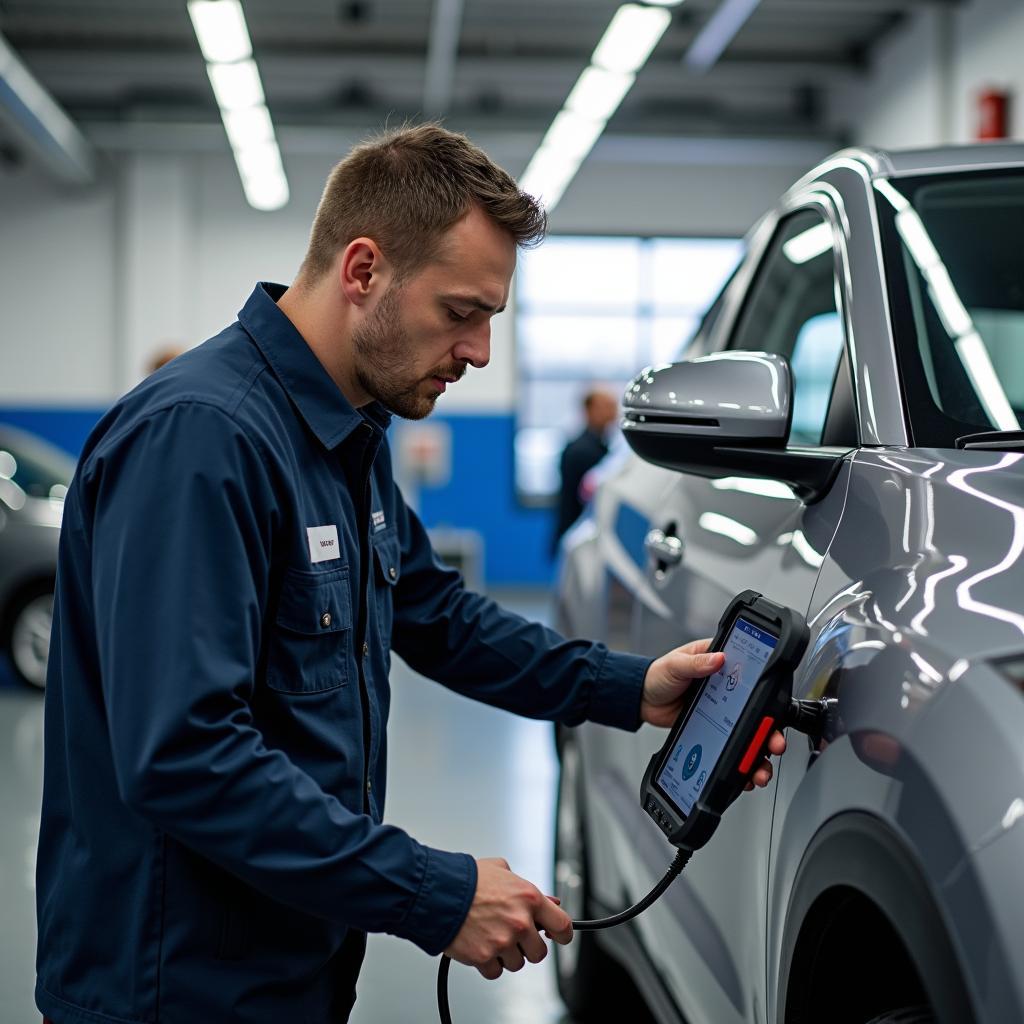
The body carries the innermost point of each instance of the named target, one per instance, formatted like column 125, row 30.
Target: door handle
column 666, row 549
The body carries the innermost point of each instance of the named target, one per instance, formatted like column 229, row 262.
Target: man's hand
column 502, row 928
column 665, row 688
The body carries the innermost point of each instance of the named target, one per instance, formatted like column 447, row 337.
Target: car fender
column 888, row 753
column 859, row 851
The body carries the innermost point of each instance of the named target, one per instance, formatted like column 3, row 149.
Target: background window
column 592, row 312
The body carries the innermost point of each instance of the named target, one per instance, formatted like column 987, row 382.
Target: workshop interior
column 601, row 423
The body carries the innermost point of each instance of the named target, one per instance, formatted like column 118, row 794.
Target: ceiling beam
column 442, row 52
column 39, row 125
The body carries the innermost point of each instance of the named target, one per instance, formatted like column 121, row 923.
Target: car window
column 955, row 274
column 792, row 312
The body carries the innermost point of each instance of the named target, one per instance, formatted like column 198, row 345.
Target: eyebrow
column 472, row 300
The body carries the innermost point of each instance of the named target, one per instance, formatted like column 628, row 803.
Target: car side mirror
column 725, row 414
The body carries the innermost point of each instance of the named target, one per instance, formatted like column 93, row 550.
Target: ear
column 363, row 271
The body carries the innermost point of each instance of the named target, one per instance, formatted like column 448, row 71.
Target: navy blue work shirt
column 236, row 564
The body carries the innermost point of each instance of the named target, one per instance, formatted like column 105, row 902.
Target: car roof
column 978, row 156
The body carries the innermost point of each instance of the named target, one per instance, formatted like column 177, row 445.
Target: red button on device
column 755, row 744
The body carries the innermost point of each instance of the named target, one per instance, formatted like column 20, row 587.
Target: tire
column 26, row 636
column 593, row 985
column 907, row 1015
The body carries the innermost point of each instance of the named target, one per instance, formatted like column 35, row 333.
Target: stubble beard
column 385, row 356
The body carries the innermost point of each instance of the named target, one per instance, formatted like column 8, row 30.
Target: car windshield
column 38, row 469
column 954, row 258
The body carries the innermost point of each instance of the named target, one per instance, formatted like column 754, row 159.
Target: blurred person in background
column 162, row 356
column 580, row 455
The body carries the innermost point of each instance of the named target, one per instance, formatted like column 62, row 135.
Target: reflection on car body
column 870, row 884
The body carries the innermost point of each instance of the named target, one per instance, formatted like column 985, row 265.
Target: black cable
column 593, row 925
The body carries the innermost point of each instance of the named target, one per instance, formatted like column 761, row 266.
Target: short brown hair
column 405, row 188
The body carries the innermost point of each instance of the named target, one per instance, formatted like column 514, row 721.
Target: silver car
column 34, row 478
column 843, row 436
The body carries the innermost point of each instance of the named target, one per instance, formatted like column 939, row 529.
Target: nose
column 474, row 347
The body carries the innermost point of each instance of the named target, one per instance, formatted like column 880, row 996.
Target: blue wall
column 480, row 496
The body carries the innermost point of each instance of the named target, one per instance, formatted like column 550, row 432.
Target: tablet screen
column 702, row 739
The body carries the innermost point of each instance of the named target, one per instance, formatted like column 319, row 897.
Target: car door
column 706, row 935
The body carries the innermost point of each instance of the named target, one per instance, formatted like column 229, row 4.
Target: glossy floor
column 462, row 777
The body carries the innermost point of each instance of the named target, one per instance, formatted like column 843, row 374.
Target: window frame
column 833, row 426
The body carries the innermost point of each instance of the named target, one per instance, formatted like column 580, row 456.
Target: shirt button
column 369, row 785
column 325, row 619
column 366, row 649
column 392, row 572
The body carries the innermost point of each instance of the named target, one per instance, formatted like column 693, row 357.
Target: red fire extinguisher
column 993, row 114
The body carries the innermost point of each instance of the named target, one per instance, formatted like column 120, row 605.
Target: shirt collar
column 320, row 402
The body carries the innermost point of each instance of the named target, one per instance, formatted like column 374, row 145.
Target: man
column 580, row 456
column 236, row 565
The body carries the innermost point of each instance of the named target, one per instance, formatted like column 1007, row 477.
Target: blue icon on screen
column 692, row 762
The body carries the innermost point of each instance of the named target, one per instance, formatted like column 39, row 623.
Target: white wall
column 925, row 78
column 165, row 250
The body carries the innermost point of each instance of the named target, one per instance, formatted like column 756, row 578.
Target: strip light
column 224, row 40
column 718, row 33
column 631, row 36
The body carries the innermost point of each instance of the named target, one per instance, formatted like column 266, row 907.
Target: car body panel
column 908, row 570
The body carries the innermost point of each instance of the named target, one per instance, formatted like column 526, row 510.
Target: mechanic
column 236, row 565
column 581, row 455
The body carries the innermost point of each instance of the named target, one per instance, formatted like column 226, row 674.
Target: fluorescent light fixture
column 236, row 85
column 224, row 39
column 598, row 93
column 631, row 35
column 266, row 192
column 248, row 126
column 809, row 244
column 718, row 33
column 572, row 135
column 220, row 29
column 548, row 175
column 263, row 178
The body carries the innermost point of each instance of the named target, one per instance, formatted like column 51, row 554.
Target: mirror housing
column 725, row 414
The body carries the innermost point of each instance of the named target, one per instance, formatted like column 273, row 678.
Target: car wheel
column 907, row 1015
column 592, row 984
column 28, row 634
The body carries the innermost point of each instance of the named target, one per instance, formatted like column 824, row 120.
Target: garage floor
column 462, row 777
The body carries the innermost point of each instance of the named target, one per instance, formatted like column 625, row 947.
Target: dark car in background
column 844, row 435
column 34, row 478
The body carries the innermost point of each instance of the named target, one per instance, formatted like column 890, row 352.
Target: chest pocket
column 311, row 642
column 388, row 571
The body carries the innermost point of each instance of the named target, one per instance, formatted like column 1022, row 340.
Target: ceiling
column 358, row 63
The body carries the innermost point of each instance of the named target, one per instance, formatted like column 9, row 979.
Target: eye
column 453, row 315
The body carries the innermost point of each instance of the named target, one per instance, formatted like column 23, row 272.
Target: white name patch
column 323, row 543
